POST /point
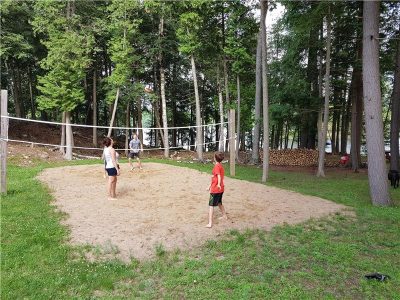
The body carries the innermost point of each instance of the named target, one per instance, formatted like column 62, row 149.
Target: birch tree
column 324, row 129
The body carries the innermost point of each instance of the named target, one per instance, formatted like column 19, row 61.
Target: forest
column 324, row 71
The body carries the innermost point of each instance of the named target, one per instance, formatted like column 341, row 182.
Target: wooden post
column 3, row 142
column 232, row 152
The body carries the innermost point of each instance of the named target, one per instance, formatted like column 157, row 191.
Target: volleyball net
column 214, row 135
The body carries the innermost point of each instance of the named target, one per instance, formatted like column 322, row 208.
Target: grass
column 319, row 259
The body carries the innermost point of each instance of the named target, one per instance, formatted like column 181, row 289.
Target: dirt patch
column 167, row 205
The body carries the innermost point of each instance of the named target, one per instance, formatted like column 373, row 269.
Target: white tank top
column 107, row 158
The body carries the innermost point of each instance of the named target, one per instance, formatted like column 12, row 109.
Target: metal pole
column 3, row 142
column 232, row 152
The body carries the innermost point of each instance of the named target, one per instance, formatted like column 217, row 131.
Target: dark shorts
column 133, row 155
column 215, row 199
column 112, row 172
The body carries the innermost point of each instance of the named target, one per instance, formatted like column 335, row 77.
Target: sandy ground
column 167, row 205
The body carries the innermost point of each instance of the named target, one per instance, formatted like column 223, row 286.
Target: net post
column 232, row 152
column 3, row 142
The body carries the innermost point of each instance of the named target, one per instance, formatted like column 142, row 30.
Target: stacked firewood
column 300, row 158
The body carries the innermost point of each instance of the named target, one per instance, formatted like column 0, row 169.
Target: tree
column 324, row 130
column 122, row 28
column 394, row 124
column 66, row 61
column 373, row 105
column 255, row 154
column 188, row 33
column 263, row 32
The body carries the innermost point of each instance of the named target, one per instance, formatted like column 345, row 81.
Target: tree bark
column 94, row 97
column 264, row 7
column 127, row 124
column 238, row 118
column 33, row 107
column 69, row 136
column 62, row 142
column 139, row 119
column 16, row 92
column 255, row 155
column 162, row 90
column 324, row 129
column 156, row 108
column 113, row 113
column 394, row 123
column 221, row 143
column 164, row 113
column 373, row 105
column 345, row 125
column 227, row 100
column 199, row 131
column 356, row 93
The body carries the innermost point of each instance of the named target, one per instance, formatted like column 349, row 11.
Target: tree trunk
column 264, row 7
column 16, row 92
column 33, row 107
column 139, row 119
column 287, row 131
column 334, row 121
column 238, row 118
column 394, row 123
column 356, row 93
column 199, row 131
column 68, row 135
column 221, row 143
column 337, row 140
column 373, row 105
column 272, row 136
column 226, row 86
column 127, row 124
column 113, row 113
column 94, row 107
column 162, row 90
column 358, row 122
column 156, row 108
column 164, row 113
column 324, row 129
column 255, row 155
column 175, row 132
column 62, row 142
column 345, row 126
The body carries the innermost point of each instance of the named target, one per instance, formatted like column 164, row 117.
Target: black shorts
column 133, row 155
column 215, row 199
column 112, row 172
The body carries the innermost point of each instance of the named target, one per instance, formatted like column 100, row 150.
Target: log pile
column 300, row 158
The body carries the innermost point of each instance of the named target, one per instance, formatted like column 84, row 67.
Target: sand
column 168, row 206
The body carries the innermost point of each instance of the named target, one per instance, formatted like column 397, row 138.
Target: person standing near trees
column 135, row 146
column 110, row 157
column 216, row 189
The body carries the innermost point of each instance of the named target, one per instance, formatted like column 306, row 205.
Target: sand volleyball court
column 167, row 205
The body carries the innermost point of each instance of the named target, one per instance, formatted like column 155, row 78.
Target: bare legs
column 112, row 185
column 130, row 163
column 211, row 214
column 139, row 163
column 222, row 209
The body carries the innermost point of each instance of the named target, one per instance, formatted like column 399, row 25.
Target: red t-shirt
column 217, row 170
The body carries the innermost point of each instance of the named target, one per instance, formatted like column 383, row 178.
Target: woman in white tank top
column 112, row 169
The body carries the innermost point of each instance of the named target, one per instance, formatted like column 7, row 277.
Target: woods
column 324, row 73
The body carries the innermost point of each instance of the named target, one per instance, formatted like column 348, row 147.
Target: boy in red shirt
column 216, row 188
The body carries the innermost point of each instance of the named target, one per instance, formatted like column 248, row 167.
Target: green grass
column 320, row 259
